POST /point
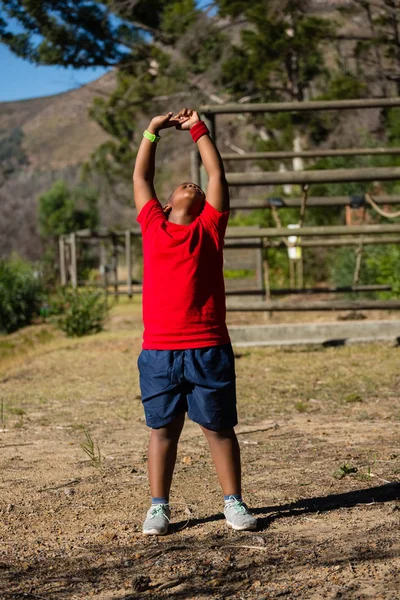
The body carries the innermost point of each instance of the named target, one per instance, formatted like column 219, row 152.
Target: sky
column 20, row 79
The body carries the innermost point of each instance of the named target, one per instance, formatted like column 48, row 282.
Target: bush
column 379, row 265
column 79, row 312
column 21, row 294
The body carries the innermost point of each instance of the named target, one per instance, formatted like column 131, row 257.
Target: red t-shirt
column 183, row 283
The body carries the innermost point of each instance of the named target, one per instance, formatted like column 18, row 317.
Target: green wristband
column 151, row 136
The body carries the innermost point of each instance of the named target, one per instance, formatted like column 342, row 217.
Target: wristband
column 198, row 130
column 151, row 136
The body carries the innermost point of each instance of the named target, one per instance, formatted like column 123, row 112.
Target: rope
column 381, row 212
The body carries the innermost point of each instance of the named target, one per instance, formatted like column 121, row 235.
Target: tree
column 62, row 210
column 72, row 33
column 377, row 51
column 281, row 51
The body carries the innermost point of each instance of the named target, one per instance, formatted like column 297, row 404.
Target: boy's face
column 188, row 198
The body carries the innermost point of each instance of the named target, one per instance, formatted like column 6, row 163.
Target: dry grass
column 71, row 531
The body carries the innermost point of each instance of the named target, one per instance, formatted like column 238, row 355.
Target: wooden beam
column 310, row 153
column 330, row 243
column 322, row 176
column 311, row 291
column 266, row 232
column 104, row 234
column 333, row 305
column 279, row 202
column 312, row 105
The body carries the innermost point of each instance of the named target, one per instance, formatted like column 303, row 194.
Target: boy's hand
column 165, row 122
column 187, row 118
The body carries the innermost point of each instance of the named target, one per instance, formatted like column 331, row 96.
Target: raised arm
column 217, row 189
column 143, row 174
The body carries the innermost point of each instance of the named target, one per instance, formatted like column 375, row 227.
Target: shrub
column 379, row 265
column 79, row 312
column 21, row 294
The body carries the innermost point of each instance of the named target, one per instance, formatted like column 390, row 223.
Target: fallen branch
column 57, row 487
column 249, row 547
column 243, row 429
column 170, row 584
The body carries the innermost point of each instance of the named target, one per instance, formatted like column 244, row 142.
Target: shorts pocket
column 155, row 369
column 217, row 364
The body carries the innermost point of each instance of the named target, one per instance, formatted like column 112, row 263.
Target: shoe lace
column 158, row 511
column 238, row 505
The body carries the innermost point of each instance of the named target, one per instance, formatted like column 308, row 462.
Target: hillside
column 45, row 122
column 45, row 139
column 42, row 140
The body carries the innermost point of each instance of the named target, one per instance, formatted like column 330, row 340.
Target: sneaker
column 157, row 520
column 237, row 515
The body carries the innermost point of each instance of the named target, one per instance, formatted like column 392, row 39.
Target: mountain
column 42, row 140
column 44, row 122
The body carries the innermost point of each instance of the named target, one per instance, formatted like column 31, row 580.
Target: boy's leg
column 225, row 453
column 161, row 462
column 162, row 456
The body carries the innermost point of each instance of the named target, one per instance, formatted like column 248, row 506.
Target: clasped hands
column 183, row 120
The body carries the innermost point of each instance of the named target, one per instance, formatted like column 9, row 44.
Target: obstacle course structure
column 259, row 239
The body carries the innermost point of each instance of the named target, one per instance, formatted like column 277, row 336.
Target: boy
column 187, row 362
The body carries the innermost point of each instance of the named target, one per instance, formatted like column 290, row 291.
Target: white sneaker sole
column 154, row 532
column 243, row 527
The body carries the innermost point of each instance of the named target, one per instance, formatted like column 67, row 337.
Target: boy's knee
column 221, row 434
column 170, row 431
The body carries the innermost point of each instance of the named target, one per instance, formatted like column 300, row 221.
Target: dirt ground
column 320, row 440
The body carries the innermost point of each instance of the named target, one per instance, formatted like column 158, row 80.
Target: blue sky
column 20, row 79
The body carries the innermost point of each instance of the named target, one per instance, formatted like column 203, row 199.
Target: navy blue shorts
column 200, row 381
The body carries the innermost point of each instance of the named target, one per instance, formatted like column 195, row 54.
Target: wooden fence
column 258, row 239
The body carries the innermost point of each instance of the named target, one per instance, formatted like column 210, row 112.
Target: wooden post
column 267, row 283
column 291, row 272
column 128, row 255
column 63, row 275
column 260, row 270
column 195, row 164
column 299, row 272
column 209, row 120
column 115, row 265
column 103, row 266
column 74, row 271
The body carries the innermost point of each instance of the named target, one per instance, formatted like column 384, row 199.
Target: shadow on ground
column 375, row 495
column 208, row 566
